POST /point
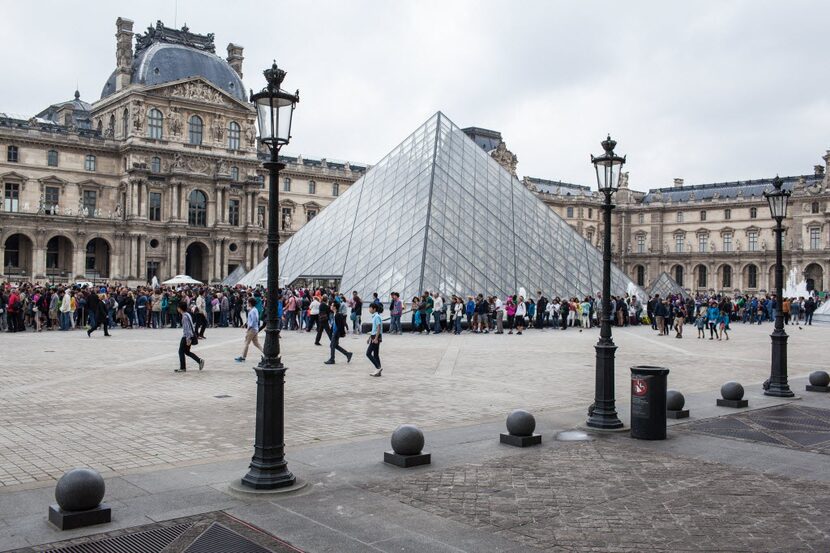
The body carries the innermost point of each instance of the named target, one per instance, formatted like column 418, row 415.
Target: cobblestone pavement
column 610, row 496
column 115, row 404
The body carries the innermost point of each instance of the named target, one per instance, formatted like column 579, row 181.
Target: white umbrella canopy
column 181, row 279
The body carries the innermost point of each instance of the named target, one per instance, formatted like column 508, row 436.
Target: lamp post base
column 778, row 385
column 602, row 415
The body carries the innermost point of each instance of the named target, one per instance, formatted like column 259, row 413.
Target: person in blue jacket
column 713, row 318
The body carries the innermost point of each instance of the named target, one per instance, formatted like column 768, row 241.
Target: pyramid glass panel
column 666, row 286
column 438, row 213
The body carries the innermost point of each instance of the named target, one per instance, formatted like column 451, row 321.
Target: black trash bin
column 648, row 402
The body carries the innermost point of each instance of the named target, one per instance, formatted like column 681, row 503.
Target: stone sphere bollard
column 819, row 378
column 732, row 391
column 79, row 490
column 407, row 439
column 521, row 423
column 674, row 400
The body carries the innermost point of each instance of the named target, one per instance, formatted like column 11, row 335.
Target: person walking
column 338, row 331
column 251, row 334
column 375, row 338
column 521, row 313
column 395, row 312
column 189, row 338
column 323, row 313
column 98, row 312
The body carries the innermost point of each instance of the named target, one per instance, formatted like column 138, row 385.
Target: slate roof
column 731, row 190
column 558, row 187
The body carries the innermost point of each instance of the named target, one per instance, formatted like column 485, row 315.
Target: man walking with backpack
column 189, row 338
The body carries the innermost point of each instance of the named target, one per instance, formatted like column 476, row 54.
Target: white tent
column 181, row 279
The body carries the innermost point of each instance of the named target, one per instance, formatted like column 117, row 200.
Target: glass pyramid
column 438, row 213
column 666, row 286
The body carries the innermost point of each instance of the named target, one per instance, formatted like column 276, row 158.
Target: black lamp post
column 603, row 413
column 778, row 386
column 268, row 469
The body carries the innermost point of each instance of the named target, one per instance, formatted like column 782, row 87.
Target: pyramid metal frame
column 438, row 213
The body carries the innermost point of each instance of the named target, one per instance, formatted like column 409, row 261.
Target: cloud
column 708, row 91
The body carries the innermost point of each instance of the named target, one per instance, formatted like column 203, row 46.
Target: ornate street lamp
column 778, row 386
column 268, row 469
column 603, row 413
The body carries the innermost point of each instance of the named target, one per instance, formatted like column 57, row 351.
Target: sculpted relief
column 197, row 91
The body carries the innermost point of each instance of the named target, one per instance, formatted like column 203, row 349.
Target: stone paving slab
column 115, row 405
column 612, row 496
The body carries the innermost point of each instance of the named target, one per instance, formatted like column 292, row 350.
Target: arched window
column 111, row 126
column 89, row 162
column 100, row 128
column 197, row 209
column 641, row 275
column 678, row 274
column 195, row 126
column 726, row 281
column 752, row 276
column 155, row 165
column 125, row 123
column 233, row 135
column 235, row 173
column 154, row 123
column 701, row 276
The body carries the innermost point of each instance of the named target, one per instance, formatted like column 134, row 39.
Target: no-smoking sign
column 639, row 386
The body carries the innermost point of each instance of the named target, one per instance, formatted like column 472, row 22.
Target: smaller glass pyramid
column 438, row 213
column 666, row 286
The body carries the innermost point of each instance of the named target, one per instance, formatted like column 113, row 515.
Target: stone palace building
column 160, row 176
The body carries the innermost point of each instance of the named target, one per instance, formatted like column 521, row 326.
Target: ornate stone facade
column 150, row 180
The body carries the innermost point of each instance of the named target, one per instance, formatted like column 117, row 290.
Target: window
column 726, row 281
column 701, row 276
column 814, row 207
column 727, row 214
column 335, row 189
column 12, row 257
column 154, row 123
column 235, row 174
column 570, row 212
column 89, row 162
column 52, row 253
column 815, row 238
column 753, row 212
column 641, row 275
column 752, row 276
column 90, row 255
column 155, row 165
column 703, row 215
column 111, row 126
column 727, row 242
column 752, row 238
column 641, row 243
column 678, row 274
column 12, row 154
column 679, row 216
column 286, row 218
column 233, row 135
column 678, row 243
column 90, row 199
column 52, row 158
column 155, row 206
column 590, row 213
column 233, row 212
column 11, row 197
column 701, row 243
column 197, row 209
column 641, row 218
column 286, row 185
column 152, row 270
column 125, row 122
column 310, row 214
column 312, row 187
column 195, row 130
column 50, row 198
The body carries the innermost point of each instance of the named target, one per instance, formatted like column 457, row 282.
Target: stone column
column 145, row 198
column 174, row 207
column 182, row 251
column 142, row 257
column 79, row 258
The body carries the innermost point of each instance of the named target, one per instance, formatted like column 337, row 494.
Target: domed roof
column 79, row 112
column 165, row 55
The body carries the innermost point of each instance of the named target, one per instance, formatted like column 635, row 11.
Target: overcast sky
column 709, row 90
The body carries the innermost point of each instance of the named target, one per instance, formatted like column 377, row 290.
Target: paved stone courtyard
column 114, row 403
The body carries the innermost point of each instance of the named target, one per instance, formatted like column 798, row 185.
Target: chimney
column 678, row 183
column 235, row 57
column 123, row 52
column 819, row 169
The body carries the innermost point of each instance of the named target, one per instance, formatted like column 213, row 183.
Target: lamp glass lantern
column 275, row 109
column 608, row 167
column 778, row 199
